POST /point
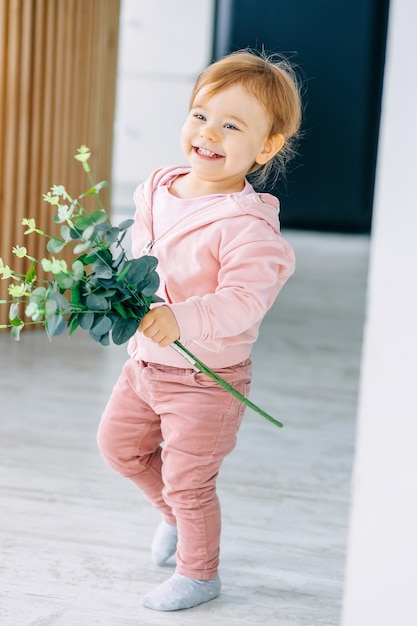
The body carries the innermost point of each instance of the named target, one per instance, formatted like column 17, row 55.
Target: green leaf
column 151, row 262
column 82, row 222
column 76, row 295
column 66, row 233
column 75, row 234
column 72, row 323
column 16, row 321
column 111, row 236
column 126, row 224
column 101, row 185
column 88, row 233
column 102, row 325
column 99, row 217
column 31, row 274
column 108, row 293
column 82, row 247
column 78, row 269
column 152, row 285
column 138, row 311
column 55, row 326
column 65, row 281
column 87, row 259
column 119, row 259
column 102, row 270
column 50, row 308
column 14, row 311
column 15, row 332
column 123, row 271
column 123, row 330
column 96, row 254
column 94, row 190
column 101, row 229
column 90, row 192
column 39, row 292
column 120, row 310
column 96, row 303
column 105, row 256
column 105, row 339
column 35, row 310
column 55, row 245
column 107, row 283
column 86, row 320
column 136, row 271
column 60, row 300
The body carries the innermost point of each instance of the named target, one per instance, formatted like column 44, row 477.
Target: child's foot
column 164, row 543
column 181, row 592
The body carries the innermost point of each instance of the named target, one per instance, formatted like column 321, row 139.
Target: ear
column 272, row 145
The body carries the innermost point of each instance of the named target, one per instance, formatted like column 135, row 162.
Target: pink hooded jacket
column 221, row 268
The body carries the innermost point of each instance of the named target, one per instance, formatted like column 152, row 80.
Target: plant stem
column 188, row 356
column 92, row 183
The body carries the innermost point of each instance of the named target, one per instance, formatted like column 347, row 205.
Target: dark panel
column 339, row 48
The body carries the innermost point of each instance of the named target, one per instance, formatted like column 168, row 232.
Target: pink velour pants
column 198, row 421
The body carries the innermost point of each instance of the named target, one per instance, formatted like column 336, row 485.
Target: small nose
column 208, row 132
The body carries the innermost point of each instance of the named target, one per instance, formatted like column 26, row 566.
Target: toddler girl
column 222, row 262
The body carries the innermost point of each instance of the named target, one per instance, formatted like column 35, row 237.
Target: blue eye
column 230, row 127
column 201, row 117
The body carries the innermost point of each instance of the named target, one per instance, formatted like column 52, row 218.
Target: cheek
column 184, row 137
column 247, row 151
column 188, row 129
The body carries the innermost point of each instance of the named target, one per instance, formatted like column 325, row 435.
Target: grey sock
column 164, row 543
column 181, row 592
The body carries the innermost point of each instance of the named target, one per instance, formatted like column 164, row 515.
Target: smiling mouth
column 207, row 153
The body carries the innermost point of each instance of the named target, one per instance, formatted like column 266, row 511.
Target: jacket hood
column 263, row 206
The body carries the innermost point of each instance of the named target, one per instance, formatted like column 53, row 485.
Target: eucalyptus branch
column 102, row 291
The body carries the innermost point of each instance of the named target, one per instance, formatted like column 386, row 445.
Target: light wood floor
column 75, row 537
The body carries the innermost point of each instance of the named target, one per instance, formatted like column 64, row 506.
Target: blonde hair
column 273, row 82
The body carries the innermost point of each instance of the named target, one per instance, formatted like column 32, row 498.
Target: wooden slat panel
column 10, row 99
column 3, row 59
column 58, row 62
column 39, row 110
column 23, row 131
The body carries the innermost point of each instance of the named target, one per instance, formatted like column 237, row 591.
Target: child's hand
column 160, row 325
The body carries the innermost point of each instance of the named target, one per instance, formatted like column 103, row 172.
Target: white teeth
column 205, row 152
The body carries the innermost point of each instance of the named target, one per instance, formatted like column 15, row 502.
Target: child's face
column 224, row 136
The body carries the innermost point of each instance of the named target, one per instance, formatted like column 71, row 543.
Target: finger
column 146, row 322
column 158, row 337
column 151, row 332
column 165, row 342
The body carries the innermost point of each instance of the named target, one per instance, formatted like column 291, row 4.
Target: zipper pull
column 148, row 247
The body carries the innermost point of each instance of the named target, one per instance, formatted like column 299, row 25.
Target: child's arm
column 250, row 276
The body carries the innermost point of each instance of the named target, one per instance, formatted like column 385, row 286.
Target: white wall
column 381, row 575
column 164, row 45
